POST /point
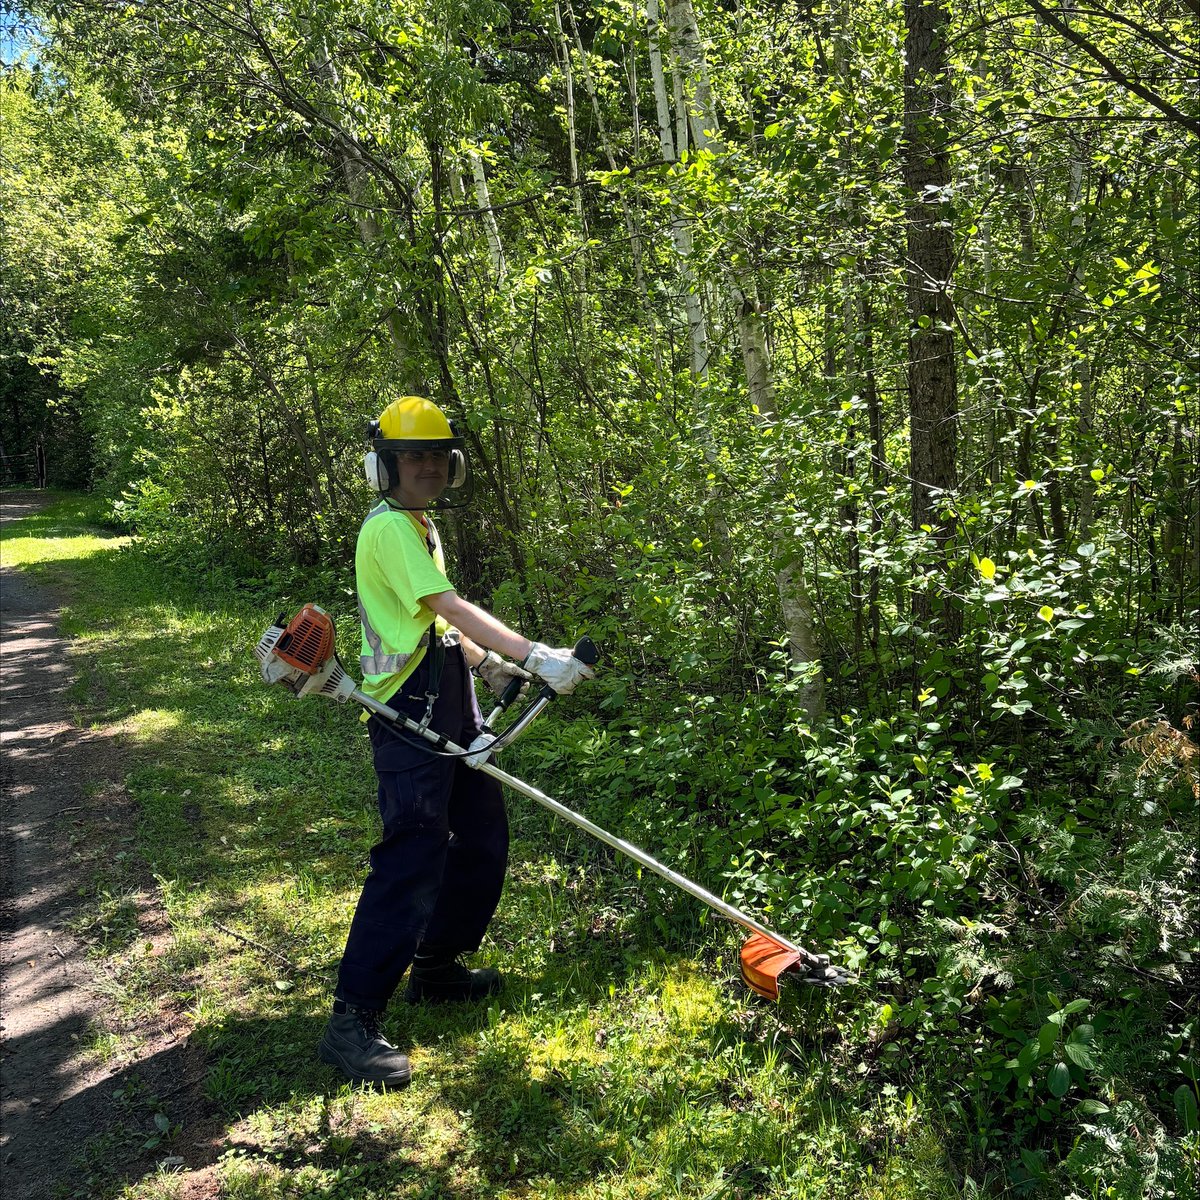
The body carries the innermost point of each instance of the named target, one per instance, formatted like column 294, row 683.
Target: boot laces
column 370, row 1020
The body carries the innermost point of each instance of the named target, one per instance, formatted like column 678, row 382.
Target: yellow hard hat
column 412, row 419
column 414, row 423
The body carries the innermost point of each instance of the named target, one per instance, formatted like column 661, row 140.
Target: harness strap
column 437, row 659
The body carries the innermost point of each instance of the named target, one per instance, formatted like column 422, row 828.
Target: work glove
column 480, row 751
column 498, row 673
column 559, row 668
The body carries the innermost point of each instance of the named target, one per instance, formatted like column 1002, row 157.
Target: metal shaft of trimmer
column 627, row 848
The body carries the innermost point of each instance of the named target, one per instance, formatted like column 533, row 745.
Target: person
column 437, row 872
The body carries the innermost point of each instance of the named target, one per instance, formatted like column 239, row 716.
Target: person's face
column 423, row 476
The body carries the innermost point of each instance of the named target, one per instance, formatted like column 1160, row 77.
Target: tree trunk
column 700, row 110
column 932, row 376
column 483, row 199
column 878, row 450
column 681, row 234
column 569, row 98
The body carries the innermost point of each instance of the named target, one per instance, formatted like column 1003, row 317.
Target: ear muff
column 375, row 469
column 458, row 469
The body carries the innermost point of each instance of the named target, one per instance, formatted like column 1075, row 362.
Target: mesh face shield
column 382, row 467
column 460, row 483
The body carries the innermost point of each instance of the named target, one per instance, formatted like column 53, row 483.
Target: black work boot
column 353, row 1043
column 440, row 980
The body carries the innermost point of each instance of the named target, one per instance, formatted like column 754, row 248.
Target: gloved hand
column 480, row 752
column 498, row 673
column 559, row 668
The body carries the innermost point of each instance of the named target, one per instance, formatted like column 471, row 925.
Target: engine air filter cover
column 308, row 640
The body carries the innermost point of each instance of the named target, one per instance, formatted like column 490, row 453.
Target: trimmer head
column 764, row 960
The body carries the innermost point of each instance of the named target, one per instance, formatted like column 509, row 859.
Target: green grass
column 620, row 1062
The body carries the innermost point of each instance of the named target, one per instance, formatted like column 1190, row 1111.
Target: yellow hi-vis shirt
column 393, row 568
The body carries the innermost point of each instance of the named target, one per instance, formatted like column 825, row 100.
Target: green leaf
column 1186, row 1108
column 1080, row 1055
column 1033, row 1162
column 987, row 568
column 1059, row 1080
column 1072, row 1006
column 1122, row 264
column 1046, row 613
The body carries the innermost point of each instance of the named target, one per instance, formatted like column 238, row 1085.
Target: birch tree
column 741, row 287
column 681, row 234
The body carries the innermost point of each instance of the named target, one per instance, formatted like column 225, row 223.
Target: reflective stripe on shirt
column 386, row 592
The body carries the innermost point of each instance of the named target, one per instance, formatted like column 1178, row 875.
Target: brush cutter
column 301, row 656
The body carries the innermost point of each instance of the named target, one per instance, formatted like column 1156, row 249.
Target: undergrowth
column 1019, row 909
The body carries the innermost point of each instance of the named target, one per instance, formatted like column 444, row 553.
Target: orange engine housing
column 308, row 641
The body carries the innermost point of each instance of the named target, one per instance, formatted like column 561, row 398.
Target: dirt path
column 69, row 1122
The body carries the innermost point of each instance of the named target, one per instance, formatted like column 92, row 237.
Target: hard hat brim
column 452, row 443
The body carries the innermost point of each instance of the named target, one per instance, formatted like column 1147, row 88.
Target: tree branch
column 1097, row 55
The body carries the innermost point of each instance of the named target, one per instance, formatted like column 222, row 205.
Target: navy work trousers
column 436, row 875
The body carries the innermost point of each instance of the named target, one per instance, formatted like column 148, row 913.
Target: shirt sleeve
column 405, row 562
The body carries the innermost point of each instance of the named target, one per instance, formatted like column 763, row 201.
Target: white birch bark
column 700, row 110
column 572, row 147
column 631, row 76
column 681, row 234
column 661, row 105
column 483, row 201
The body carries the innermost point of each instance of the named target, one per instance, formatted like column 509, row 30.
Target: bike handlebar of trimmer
column 584, row 650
